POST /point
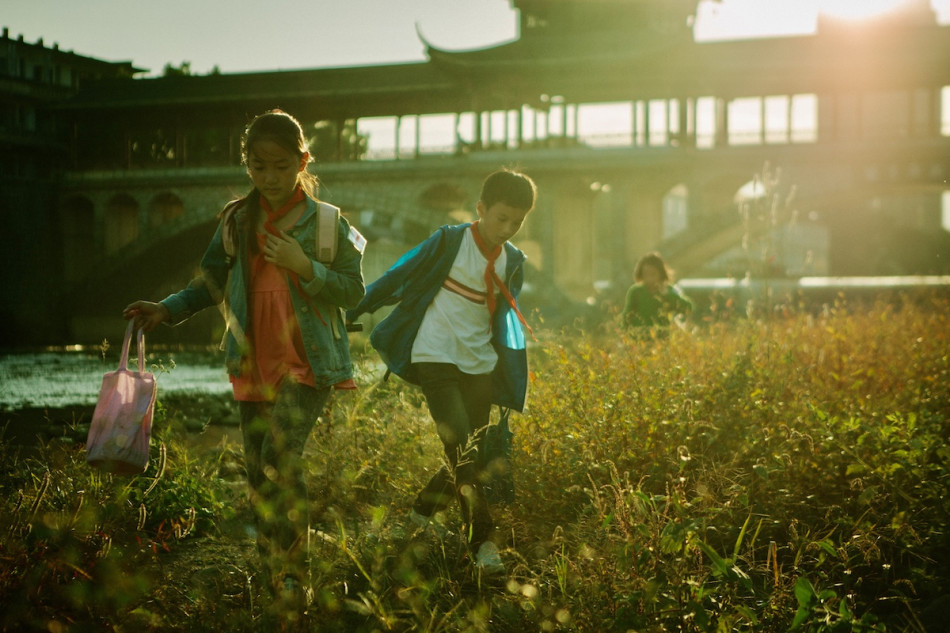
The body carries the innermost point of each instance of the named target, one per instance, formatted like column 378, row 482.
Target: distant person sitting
column 653, row 299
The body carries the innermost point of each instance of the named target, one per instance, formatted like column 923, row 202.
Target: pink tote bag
column 122, row 422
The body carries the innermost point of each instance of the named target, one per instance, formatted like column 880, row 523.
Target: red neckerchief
column 273, row 216
column 492, row 279
column 490, row 274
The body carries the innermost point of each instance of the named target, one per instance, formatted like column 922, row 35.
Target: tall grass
column 778, row 474
column 762, row 475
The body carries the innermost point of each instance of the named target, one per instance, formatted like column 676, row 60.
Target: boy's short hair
column 509, row 187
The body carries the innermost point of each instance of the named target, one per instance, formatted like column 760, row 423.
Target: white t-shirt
column 456, row 326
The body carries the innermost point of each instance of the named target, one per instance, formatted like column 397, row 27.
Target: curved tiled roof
column 332, row 87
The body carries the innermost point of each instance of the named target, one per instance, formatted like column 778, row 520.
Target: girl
column 652, row 299
column 456, row 333
column 286, row 346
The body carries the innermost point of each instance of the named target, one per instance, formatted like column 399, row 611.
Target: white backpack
column 327, row 236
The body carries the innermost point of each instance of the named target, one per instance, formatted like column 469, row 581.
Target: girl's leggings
column 274, row 437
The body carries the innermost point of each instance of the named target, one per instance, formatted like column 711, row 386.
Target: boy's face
column 499, row 222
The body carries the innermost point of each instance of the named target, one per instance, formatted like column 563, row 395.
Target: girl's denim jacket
column 412, row 283
column 332, row 289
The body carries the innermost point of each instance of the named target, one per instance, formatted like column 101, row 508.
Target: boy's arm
column 388, row 289
column 516, row 281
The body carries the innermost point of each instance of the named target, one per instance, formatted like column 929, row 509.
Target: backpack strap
column 327, row 237
column 229, row 227
column 229, row 238
column 328, row 219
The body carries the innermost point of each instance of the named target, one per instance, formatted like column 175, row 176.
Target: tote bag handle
column 124, row 359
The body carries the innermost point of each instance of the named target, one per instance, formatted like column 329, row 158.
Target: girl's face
column 652, row 278
column 274, row 170
column 499, row 222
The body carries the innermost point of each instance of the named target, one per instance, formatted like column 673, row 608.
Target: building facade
column 813, row 155
column 34, row 152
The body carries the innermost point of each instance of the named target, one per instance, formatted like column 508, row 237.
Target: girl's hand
column 657, row 289
column 287, row 253
column 146, row 315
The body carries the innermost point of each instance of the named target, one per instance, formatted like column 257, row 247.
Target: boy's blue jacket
column 412, row 283
column 333, row 288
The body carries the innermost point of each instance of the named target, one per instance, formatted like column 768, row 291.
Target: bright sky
column 241, row 36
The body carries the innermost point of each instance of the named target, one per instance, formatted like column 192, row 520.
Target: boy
column 455, row 332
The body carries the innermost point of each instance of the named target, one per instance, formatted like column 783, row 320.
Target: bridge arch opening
column 675, row 211
column 163, row 208
column 775, row 236
column 906, row 232
column 750, row 192
column 77, row 228
column 121, row 222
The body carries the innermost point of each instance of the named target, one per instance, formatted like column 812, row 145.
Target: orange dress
column 277, row 344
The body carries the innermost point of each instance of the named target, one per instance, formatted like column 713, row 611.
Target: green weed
column 786, row 473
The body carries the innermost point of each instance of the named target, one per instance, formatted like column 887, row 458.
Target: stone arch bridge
column 140, row 234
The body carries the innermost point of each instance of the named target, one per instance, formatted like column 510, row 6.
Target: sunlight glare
column 857, row 9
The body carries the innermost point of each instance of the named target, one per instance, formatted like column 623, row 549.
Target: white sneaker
column 419, row 520
column 488, row 559
column 423, row 522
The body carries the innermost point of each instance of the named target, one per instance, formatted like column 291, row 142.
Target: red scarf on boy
column 492, row 279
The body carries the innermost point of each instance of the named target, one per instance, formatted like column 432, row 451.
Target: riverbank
column 51, row 394
column 64, row 377
column 194, row 412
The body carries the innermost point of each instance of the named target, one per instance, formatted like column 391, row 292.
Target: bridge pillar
column 567, row 212
column 642, row 228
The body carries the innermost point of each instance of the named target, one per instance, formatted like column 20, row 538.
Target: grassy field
column 774, row 474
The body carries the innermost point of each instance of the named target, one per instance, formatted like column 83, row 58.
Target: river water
column 67, row 377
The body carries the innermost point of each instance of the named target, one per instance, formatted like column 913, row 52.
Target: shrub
column 785, row 473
